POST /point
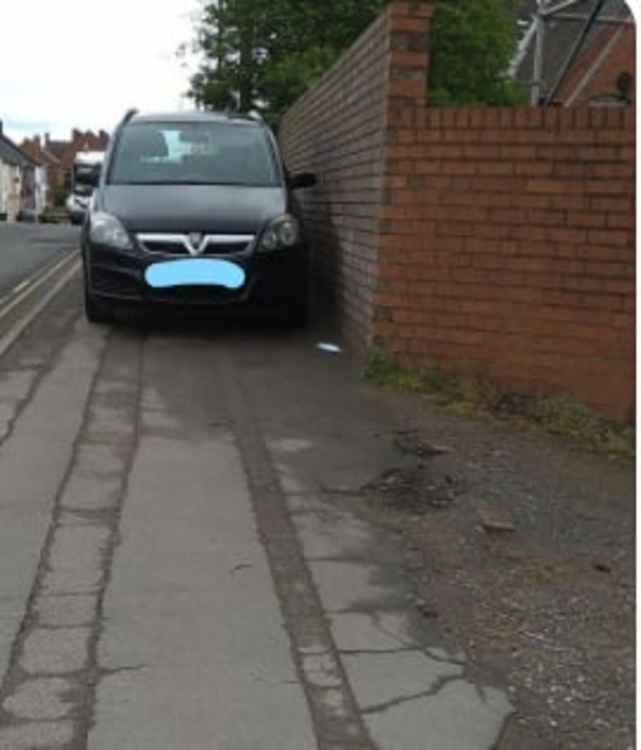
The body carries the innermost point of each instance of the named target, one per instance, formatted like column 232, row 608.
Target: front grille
column 186, row 245
column 226, row 248
column 165, row 248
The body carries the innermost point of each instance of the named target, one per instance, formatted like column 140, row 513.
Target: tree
column 263, row 54
column 472, row 45
column 312, row 38
column 233, row 37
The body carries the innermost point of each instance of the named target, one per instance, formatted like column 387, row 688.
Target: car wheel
column 96, row 311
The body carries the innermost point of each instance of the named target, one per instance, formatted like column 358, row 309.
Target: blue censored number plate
column 195, row 272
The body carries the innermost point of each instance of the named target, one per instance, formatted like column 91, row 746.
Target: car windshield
column 82, row 174
column 194, row 153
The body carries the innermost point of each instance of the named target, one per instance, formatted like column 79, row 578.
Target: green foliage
column 472, row 45
column 263, row 54
column 232, row 37
column 380, row 369
column 472, row 396
column 563, row 415
column 288, row 78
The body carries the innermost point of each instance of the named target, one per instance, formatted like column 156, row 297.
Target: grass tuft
column 473, row 395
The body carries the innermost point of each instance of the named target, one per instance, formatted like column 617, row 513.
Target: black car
column 195, row 209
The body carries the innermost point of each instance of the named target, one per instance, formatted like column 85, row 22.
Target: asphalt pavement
column 26, row 248
column 177, row 569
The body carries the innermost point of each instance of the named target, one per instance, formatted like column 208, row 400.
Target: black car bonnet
column 225, row 209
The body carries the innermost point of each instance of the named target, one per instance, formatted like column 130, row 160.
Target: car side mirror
column 302, row 180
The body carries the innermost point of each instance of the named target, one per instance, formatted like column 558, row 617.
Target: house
column 22, row 183
column 51, row 164
column 604, row 72
column 59, row 155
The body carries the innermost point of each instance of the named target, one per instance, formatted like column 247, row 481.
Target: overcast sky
column 83, row 63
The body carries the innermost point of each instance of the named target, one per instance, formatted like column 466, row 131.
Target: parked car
column 76, row 206
column 195, row 209
column 86, row 169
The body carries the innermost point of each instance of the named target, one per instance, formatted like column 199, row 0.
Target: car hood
column 193, row 208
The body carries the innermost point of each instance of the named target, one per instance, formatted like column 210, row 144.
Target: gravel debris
column 521, row 548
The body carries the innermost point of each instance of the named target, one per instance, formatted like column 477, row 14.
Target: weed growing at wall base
column 475, row 396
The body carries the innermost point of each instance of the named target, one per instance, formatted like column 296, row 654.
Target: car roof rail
column 229, row 112
column 250, row 116
column 128, row 115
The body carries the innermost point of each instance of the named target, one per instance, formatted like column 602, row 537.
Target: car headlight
column 282, row 233
column 105, row 229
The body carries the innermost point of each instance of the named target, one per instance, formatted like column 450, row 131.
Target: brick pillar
column 408, row 30
column 408, row 25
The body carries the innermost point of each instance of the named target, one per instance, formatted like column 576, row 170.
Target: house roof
column 11, row 154
column 57, row 148
column 561, row 36
column 49, row 158
column 32, row 147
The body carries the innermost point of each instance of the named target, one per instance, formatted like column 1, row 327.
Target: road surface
column 27, row 248
column 177, row 569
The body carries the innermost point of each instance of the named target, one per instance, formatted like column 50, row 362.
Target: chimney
column 38, row 144
column 46, row 139
column 0, row 127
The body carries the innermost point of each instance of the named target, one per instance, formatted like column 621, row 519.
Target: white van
column 85, row 164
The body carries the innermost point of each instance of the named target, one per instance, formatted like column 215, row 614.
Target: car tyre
column 96, row 311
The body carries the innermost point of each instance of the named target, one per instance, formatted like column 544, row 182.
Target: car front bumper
column 272, row 280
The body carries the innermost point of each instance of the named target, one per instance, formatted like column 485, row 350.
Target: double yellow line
column 62, row 270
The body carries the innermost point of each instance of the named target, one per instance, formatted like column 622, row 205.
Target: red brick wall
column 338, row 131
column 494, row 241
column 508, row 249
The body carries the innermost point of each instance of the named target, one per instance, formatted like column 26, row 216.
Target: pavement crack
column 408, row 645
column 340, row 491
column 241, row 566
column 265, row 681
column 14, row 671
column 301, row 606
column 375, row 651
column 430, row 693
column 57, row 344
column 62, row 624
column 108, row 672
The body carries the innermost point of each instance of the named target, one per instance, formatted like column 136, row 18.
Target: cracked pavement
column 176, row 570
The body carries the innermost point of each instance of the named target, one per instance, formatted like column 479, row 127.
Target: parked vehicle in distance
column 195, row 210
column 84, row 174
